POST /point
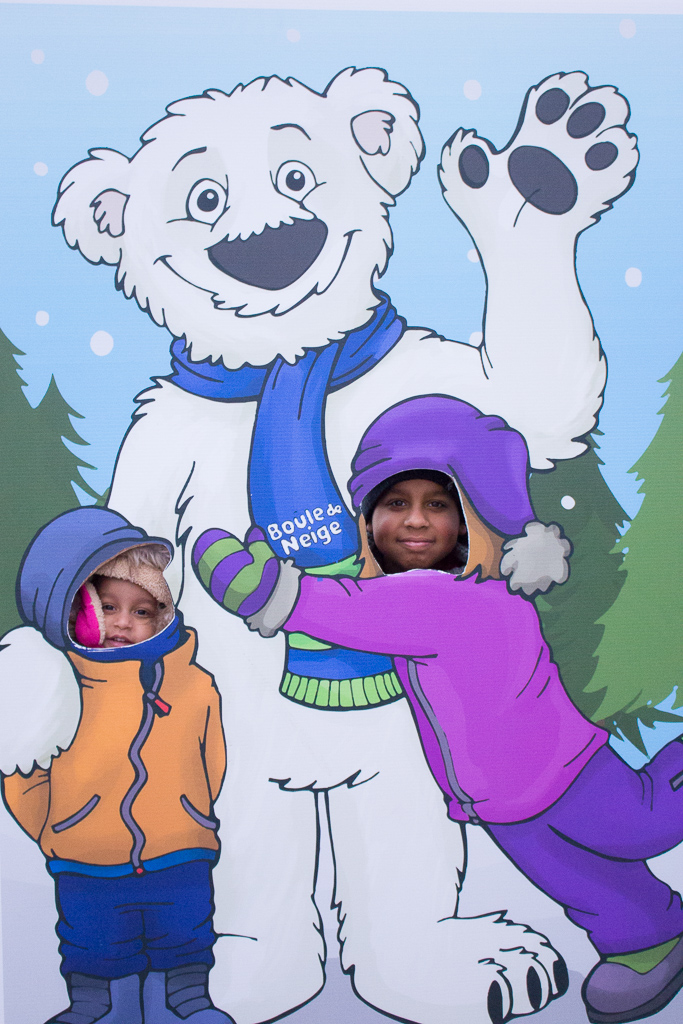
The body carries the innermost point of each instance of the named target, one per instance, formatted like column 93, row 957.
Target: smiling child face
column 416, row 524
column 130, row 613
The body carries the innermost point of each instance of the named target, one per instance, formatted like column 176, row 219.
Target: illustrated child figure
column 502, row 738
column 125, row 816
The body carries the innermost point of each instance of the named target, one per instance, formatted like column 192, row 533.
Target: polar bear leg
column 398, row 865
column 270, row 949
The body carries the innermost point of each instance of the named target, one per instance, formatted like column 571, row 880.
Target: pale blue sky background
column 152, row 56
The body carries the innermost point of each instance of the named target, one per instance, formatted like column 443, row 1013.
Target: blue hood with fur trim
column 62, row 556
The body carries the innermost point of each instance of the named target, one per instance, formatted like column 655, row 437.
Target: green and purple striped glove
column 240, row 577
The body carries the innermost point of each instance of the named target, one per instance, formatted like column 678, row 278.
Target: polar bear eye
column 206, row 201
column 295, row 180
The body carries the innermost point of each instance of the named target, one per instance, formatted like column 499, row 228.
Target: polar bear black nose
column 275, row 258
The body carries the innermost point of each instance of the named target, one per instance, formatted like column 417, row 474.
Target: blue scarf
column 293, row 495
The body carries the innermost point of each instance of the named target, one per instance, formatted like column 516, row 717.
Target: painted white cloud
column 97, row 83
column 633, row 277
column 101, row 343
column 42, row 318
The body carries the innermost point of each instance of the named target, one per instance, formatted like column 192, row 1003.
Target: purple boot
column 181, row 994
column 100, row 1001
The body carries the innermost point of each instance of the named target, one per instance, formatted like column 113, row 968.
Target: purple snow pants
column 588, row 850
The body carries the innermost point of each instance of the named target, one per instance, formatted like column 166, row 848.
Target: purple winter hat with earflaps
column 490, row 463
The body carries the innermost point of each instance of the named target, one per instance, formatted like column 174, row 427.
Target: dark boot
column 615, row 994
column 100, row 1001
column 181, row 994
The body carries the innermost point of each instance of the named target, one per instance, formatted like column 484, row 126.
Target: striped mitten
column 240, row 577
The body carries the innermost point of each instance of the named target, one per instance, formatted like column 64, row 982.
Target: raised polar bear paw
column 568, row 161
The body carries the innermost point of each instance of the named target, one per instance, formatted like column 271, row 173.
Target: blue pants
column 112, row 927
column 587, row 851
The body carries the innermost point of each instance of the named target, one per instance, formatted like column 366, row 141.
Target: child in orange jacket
column 125, row 816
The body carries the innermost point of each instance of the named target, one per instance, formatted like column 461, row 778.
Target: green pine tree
column 570, row 613
column 639, row 656
column 37, row 471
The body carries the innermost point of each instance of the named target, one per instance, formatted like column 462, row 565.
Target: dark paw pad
column 474, row 166
column 561, row 975
column 543, row 180
column 601, row 155
column 551, row 105
column 494, row 1003
column 534, row 988
column 585, row 120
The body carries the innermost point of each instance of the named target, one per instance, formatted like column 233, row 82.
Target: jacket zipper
column 141, row 774
column 461, row 796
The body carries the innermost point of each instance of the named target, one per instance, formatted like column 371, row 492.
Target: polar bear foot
column 527, row 977
column 481, row 970
column 525, row 983
column 568, row 161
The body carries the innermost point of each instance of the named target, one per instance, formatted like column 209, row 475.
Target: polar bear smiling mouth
column 274, row 259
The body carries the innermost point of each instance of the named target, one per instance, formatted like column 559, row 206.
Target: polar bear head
column 253, row 223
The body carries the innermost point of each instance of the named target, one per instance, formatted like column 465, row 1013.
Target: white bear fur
column 40, row 700
column 399, row 861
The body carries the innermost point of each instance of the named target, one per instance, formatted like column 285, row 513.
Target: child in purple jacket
column 506, row 745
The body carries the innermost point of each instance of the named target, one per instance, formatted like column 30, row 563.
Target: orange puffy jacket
column 142, row 772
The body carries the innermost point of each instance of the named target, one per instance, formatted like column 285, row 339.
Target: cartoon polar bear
column 255, row 226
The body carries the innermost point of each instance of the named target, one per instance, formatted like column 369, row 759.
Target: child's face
column 130, row 613
column 416, row 525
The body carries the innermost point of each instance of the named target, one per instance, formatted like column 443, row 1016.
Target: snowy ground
column 492, row 883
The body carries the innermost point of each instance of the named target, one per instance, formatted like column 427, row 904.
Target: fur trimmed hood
column 62, row 556
column 489, row 464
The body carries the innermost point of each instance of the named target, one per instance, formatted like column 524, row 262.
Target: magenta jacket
column 501, row 736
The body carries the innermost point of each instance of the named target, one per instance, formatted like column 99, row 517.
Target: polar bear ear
column 91, row 205
column 372, row 131
column 383, row 120
column 108, row 209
